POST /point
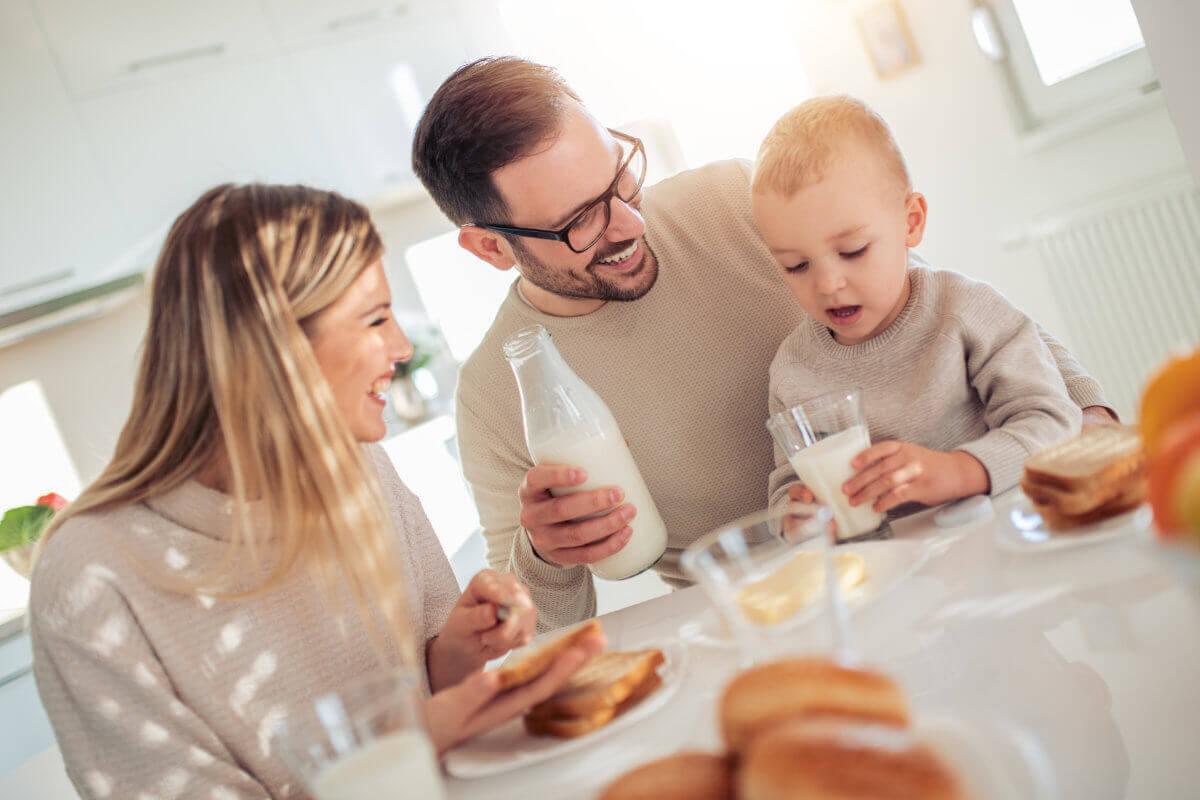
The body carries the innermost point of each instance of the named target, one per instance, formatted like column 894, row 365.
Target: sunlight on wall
column 1064, row 45
column 720, row 80
column 35, row 462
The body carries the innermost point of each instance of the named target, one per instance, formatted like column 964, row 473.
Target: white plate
column 1021, row 530
column 994, row 760
column 886, row 563
column 510, row 747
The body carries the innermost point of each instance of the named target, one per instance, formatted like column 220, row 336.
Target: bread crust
column 530, row 665
column 1098, row 458
column 682, row 776
column 765, row 696
column 1130, row 498
column 571, row 727
column 802, row 761
column 603, row 682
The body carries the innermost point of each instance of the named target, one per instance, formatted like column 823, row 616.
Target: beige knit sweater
column 154, row 694
column 960, row 368
column 683, row 369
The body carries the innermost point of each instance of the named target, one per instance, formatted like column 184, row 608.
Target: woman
column 235, row 560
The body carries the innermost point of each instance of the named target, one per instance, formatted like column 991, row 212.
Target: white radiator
column 1126, row 275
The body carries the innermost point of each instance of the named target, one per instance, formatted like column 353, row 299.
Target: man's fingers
column 569, row 507
column 591, row 553
column 548, row 476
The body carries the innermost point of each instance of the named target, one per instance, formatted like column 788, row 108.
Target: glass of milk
column 567, row 423
column 365, row 741
column 820, row 437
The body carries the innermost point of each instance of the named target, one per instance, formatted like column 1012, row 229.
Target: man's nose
column 625, row 223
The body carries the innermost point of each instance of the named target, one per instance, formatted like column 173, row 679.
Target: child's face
column 843, row 243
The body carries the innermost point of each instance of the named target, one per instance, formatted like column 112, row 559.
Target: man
column 665, row 301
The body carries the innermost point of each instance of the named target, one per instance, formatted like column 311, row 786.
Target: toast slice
column 1101, row 456
column 602, row 683
column 1079, row 502
column 530, row 664
column 1130, row 498
column 571, row 727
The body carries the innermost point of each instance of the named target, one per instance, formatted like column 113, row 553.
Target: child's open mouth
column 844, row 315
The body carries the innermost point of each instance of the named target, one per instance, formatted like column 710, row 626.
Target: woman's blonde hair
column 228, row 376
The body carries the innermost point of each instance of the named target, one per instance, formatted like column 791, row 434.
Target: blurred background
column 1038, row 130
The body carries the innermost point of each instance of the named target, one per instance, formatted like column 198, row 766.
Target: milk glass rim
column 694, row 551
column 822, row 401
column 294, row 742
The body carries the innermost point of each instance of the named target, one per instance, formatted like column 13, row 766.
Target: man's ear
column 487, row 245
column 916, row 212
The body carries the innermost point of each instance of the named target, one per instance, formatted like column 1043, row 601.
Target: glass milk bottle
column 567, row 423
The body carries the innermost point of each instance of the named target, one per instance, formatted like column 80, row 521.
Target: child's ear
column 916, row 211
column 487, row 245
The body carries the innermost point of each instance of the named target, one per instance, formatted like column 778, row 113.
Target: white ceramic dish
column 887, row 564
column 994, row 760
column 1020, row 529
column 510, row 747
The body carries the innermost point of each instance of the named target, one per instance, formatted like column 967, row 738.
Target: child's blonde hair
column 799, row 147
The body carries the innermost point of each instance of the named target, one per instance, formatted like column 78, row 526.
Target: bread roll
column 806, row 760
column 683, row 776
column 764, row 696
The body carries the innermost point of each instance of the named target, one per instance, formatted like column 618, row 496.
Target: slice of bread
column 1066, row 502
column 528, row 664
column 683, row 776
column 762, row 697
column 571, row 727
column 1128, row 499
column 601, row 683
column 1099, row 457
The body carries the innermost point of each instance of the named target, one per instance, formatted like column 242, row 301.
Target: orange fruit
column 1170, row 395
column 1174, row 478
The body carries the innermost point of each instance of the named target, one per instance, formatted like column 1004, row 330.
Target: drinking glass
column 365, row 741
column 767, row 586
column 820, row 437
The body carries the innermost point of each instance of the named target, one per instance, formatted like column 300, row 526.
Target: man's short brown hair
column 800, row 146
column 489, row 113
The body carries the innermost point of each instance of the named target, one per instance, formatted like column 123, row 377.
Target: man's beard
column 589, row 286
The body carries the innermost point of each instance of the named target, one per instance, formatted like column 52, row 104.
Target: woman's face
column 357, row 342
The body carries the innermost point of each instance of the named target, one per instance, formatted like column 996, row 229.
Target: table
column 1090, row 653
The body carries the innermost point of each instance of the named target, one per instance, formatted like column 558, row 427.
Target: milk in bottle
column 566, row 422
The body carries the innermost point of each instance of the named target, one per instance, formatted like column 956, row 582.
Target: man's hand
column 892, row 473
column 1099, row 415
column 556, row 531
column 477, row 704
column 473, row 634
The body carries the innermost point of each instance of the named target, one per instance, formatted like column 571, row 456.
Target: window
column 1068, row 57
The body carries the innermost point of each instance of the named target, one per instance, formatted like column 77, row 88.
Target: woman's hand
column 477, row 704
column 892, row 473
column 474, row 634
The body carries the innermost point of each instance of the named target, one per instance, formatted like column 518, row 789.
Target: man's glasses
column 586, row 227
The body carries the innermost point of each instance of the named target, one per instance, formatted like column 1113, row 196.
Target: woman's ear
column 916, row 211
column 487, row 245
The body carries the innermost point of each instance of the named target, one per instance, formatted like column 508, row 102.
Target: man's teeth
column 621, row 256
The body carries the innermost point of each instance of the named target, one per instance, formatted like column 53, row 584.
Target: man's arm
column 1085, row 391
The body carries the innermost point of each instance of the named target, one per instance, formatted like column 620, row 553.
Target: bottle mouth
column 525, row 341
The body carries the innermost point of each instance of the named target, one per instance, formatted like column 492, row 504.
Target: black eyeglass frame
column 560, row 235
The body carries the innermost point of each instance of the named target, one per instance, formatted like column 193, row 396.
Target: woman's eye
column 856, row 253
column 803, row 265
column 378, row 322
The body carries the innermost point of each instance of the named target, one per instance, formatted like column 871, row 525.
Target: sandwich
column 527, row 665
column 603, row 689
column 1096, row 475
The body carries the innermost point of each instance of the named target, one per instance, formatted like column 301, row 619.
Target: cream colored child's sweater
column 960, row 368
column 157, row 694
column 683, row 369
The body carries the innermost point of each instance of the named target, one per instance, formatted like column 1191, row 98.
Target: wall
column 1170, row 28
column 950, row 116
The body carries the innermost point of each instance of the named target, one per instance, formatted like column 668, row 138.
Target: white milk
column 608, row 462
column 825, row 466
column 400, row 765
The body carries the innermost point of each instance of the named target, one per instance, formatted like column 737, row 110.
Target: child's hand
column 892, row 473
column 801, row 509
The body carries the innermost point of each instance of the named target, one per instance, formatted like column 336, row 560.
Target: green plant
column 24, row 524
